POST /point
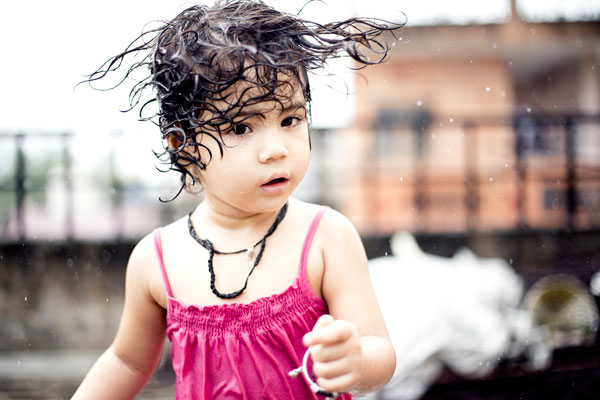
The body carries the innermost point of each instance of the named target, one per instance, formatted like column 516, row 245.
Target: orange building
column 474, row 128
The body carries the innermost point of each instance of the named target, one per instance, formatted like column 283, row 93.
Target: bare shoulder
column 143, row 253
column 336, row 237
column 143, row 268
column 342, row 248
column 332, row 219
column 142, row 264
column 335, row 221
column 338, row 231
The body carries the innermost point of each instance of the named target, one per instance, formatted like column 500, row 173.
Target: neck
column 230, row 218
column 229, row 228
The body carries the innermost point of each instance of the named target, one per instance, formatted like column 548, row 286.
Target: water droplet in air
column 491, row 179
column 451, row 120
column 419, row 102
column 487, row 89
column 528, row 109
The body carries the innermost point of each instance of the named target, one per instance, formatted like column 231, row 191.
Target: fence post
column 68, row 182
column 20, row 189
column 520, row 150
column 471, row 177
column 571, row 193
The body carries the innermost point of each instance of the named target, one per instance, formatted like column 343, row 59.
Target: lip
column 276, row 187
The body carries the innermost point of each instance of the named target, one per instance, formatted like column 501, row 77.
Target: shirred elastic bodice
column 250, row 319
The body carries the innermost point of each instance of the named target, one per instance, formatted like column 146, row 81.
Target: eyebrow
column 245, row 113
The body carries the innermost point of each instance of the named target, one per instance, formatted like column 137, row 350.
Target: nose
column 273, row 147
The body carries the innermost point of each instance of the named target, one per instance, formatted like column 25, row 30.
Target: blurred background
column 480, row 133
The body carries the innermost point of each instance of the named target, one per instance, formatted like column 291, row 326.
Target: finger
column 338, row 384
column 336, row 332
column 323, row 321
column 332, row 369
column 332, row 352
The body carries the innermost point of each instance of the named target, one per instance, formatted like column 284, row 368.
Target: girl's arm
column 123, row 370
column 350, row 348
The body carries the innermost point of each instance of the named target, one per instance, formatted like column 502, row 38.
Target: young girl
column 252, row 277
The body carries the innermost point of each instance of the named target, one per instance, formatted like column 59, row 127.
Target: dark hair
column 194, row 59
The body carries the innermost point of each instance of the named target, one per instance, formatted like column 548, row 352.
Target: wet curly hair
column 192, row 62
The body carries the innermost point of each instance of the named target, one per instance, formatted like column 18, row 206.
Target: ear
column 172, row 141
column 184, row 157
column 175, row 141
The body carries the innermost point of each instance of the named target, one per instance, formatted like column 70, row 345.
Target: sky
column 48, row 46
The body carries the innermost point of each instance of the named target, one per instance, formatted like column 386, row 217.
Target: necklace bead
column 250, row 252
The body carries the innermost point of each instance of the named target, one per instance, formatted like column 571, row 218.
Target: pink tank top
column 244, row 351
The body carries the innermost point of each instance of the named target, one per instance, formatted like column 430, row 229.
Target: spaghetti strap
column 308, row 241
column 159, row 255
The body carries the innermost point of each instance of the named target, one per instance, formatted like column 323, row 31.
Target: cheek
column 302, row 156
column 235, row 170
column 305, row 147
column 230, row 172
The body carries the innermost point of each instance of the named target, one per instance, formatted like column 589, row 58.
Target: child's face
column 265, row 157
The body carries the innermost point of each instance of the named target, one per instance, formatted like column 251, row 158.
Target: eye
column 240, row 129
column 290, row 121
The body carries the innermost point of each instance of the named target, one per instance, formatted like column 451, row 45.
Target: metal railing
column 422, row 166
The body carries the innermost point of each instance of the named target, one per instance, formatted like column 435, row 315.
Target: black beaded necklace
column 207, row 244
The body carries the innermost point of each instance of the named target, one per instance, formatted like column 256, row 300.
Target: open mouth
column 276, row 185
column 276, row 181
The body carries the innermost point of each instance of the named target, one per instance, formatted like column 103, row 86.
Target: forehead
column 260, row 92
